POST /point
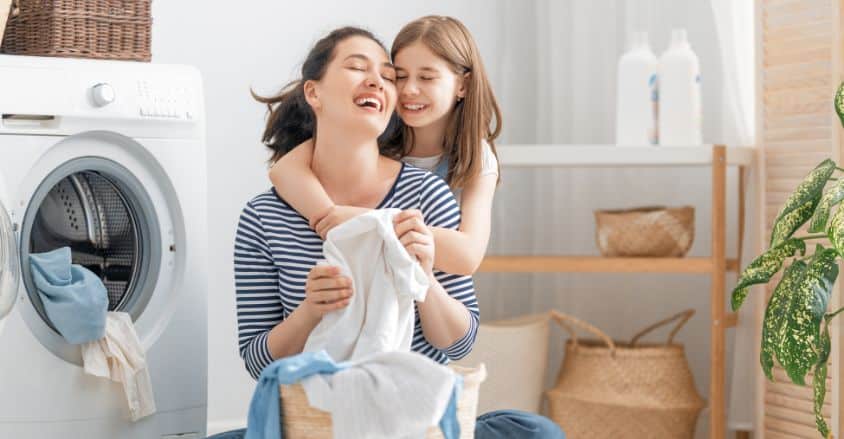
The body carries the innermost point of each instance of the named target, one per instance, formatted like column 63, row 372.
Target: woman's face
column 428, row 88
column 358, row 89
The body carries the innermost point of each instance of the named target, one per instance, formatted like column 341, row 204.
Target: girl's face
column 428, row 88
column 358, row 88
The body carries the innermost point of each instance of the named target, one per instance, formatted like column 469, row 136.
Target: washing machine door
column 9, row 269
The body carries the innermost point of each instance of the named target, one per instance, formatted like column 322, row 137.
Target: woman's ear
column 312, row 94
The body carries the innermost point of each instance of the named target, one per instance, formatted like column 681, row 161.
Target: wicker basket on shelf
column 645, row 231
column 102, row 29
column 614, row 390
column 301, row 421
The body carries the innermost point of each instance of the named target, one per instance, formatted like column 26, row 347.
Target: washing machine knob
column 103, row 94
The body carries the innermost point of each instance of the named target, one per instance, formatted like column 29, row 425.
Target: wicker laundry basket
column 645, row 231
column 301, row 421
column 103, row 29
column 608, row 389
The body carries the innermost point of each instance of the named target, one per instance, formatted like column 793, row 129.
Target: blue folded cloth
column 74, row 298
column 264, row 421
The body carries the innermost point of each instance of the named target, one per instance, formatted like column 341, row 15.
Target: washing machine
column 107, row 158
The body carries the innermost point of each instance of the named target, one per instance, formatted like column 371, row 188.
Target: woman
column 344, row 101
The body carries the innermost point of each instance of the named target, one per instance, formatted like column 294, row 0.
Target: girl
column 449, row 121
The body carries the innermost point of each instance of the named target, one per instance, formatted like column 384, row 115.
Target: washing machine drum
column 101, row 211
column 86, row 212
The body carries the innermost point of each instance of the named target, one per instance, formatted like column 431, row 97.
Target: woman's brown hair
column 475, row 118
column 291, row 120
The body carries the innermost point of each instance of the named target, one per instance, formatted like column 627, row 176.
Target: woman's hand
column 326, row 290
column 416, row 237
column 337, row 215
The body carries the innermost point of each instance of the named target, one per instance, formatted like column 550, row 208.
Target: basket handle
column 684, row 317
column 16, row 8
column 566, row 321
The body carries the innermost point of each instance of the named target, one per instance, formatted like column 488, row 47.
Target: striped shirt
column 275, row 249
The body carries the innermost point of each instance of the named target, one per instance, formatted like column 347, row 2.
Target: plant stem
column 831, row 316
column 840, row 169
column 804, row 238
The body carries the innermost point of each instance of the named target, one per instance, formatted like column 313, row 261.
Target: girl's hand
column 326, row 290
column 416, row 237
column 336, row 216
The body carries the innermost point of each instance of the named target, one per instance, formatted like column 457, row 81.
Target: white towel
column 387, row 281
column 388, row 392
column 120, row 357
column 387, row 395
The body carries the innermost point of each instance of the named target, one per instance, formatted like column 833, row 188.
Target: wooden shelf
column 618, row 156
column 717, row 158
column 598, row 264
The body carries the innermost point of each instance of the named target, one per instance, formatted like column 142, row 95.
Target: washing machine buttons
column 102, row 94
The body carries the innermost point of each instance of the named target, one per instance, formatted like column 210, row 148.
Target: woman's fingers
column 325, row 308
column 414, row 237
column 319, row 271
column 329, row 283
column 331, row 296
column 413, row 223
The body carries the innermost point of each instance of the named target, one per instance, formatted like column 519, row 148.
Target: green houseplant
column 795, row 329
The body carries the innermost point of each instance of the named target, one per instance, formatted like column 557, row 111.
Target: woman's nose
column 375, row 81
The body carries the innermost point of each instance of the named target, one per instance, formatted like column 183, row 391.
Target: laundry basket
column 103, row 29
column 653, row 231
column 301, row 421
column 608, row 389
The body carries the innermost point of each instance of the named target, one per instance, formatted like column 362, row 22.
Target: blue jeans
column 506, row 424
column 501, row 424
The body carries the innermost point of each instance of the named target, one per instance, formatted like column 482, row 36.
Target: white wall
column 552, row 65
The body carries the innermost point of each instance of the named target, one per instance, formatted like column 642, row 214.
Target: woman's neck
column 349, row 169
column 428, row 140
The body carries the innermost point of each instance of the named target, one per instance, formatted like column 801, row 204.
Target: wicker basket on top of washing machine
column 101, row 29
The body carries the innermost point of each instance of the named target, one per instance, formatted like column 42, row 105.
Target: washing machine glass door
column 9, row 269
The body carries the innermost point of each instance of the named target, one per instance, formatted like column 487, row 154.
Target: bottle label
column 653, row 134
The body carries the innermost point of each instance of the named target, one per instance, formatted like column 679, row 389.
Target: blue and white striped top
column 275, row 249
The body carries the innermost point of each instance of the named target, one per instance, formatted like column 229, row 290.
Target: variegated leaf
column 797, row 351
column 839, row 103
column 835, row 231
column 775, row 323
column 819, row 380
column 765, row 266
column 801, row 203
column 786, row 225
column 830, row 198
